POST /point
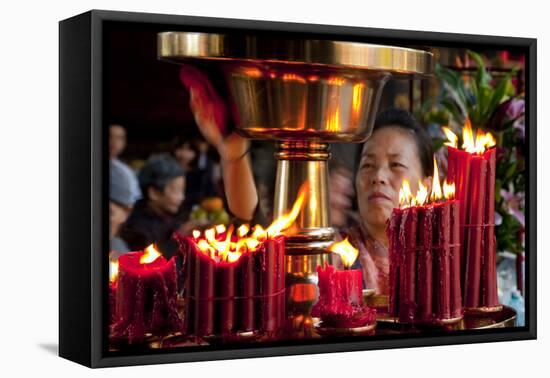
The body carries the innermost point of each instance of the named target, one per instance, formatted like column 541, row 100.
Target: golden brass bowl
column 299, row 89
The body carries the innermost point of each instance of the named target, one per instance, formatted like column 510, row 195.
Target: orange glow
column 196, row 234
column 407, row 198
column 220, row 228
column 335, row 80
column 448, row 190
column 451, row 137
column 252, row 72
column 421, row 195
column 150, row 255
column 347, row 252
column 293, row 77
column 357, row 96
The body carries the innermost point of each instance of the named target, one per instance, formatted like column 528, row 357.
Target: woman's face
column 389, row 156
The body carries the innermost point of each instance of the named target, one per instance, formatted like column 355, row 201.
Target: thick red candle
column 475, row 231
column 489, row 295
column 271, row 271
column 424, row 289
column 340, row 303
column 225, row 293
column 442, row 215
column 458, row 172
column 394, row 255
column 205, row 269
column 247, row 289
column 407, row 294
column 146, row 297
column 456, row 291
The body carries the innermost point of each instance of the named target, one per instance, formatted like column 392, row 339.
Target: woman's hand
column 210, row 113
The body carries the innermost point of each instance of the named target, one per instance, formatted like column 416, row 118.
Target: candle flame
column 448, row 190
column 150, row 255
column 228, row 250
column 436, row 194
column 243, row 230
column 196, row 234
column 113, row 271
column 451, row 137
column 405, row 194
column 347, row 252
column 220, row 228
column 473, row 144
column 285, row 221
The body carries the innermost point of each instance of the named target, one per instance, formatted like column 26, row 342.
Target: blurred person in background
column 117, row 144
column 121, row 202
column 201, row 171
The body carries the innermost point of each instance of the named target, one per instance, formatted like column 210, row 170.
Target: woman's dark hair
column 401, row 118
column 157, row 172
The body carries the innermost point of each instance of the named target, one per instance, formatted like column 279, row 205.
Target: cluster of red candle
column 235, row 279
column 146, row 296
column 340, row 302
column 473, row 171
column 424, row 255
column 233, row 283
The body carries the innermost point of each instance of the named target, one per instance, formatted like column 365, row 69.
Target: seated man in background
column 153, row 218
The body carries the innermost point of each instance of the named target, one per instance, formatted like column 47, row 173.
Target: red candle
column 456, row 291
column 478, row 253
column 475, row 232
column 247, row 289
column 489, row 297
column 424, row 288
column 424, row 267
column 407, row 297
column 394, row 255
column 204, row 294
column 340, row 303
column 272, row 269
column 458, row 172
column 146, row 296
column 441, row 240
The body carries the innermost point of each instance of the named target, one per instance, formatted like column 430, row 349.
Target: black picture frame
column 83, row 188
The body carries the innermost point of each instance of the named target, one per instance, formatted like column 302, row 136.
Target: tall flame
column 473, row 144
column 286, row 220
column 436, row 184
column 348, row 253
column 150, row 255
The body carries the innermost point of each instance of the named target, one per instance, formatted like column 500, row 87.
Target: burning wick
column 347, row 252
column 150, row 255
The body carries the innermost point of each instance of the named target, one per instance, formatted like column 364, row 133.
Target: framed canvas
column 235, row 188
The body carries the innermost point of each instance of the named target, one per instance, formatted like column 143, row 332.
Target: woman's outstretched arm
column 210, row 114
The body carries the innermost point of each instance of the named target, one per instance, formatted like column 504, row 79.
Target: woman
column 398, row 149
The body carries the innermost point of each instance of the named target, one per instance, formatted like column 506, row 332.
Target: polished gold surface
column 183, row 46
